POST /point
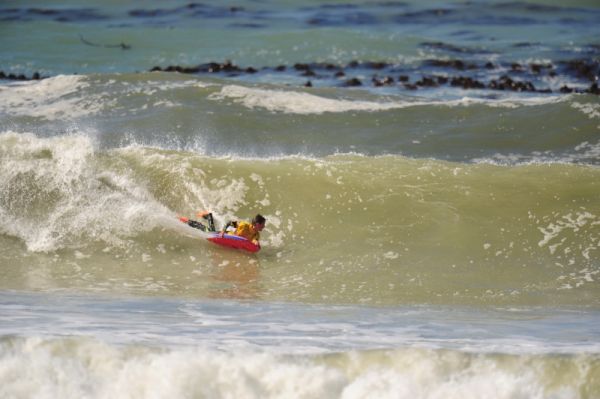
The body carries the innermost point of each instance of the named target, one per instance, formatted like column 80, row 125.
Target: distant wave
column 304, row 103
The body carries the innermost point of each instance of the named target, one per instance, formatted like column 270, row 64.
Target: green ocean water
column 429, row 172
column 342, row 229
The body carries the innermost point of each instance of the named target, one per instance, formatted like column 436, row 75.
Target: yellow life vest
column 247, row 230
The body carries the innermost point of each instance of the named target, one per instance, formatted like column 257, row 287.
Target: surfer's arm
column 255, row 239
column 231, row 223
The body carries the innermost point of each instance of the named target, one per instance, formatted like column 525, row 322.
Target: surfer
column 250, row 231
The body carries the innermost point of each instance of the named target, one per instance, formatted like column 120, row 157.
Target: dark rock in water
column 566, row 89
column 301, row 67
column 454, row 64
column 308, row 84
column 535, row 68
column 21, row 76
column 376, row 65
column 466, row 83
column 529, row 86
column 506, row 83
column 426, row 82
column 208, row 68
column 189, row 70
column 213, row 67
column 585, row 69
column 376, row 81
column 538, row 68
column 516, row 67
column 227, row 66
column 496, row 85
column 353, row 82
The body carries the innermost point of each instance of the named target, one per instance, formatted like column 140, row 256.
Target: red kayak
column 231, row 241
column 224, row 240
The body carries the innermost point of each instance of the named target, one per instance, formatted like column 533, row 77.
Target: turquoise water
column 428, row 170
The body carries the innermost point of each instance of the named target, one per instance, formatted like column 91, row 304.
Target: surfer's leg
column 211, row 222
column 196, row 225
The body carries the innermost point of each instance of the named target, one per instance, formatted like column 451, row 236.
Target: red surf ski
column 232, row 241
column 225, row 240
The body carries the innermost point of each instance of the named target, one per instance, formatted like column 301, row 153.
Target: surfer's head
column 259, row 222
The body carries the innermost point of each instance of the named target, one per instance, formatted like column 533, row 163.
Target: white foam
column 68, row 97
column 56, row 194
column 303, row 103
column 583, row 153
column 76, row 368
column 296, row 102
column 570, row 222
column 592, row 110
column 511, row 101
column 53, row 98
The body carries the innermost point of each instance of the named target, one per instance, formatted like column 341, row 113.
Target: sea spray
column 55, row 193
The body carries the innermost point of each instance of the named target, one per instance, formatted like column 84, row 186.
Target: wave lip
column 51, row 99
column 304, row 103
column 73, row 97
column 295, row 102
column 55, row 192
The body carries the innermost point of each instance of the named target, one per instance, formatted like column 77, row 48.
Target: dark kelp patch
column 516, row 77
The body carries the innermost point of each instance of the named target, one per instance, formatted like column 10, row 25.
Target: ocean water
column 429, row 171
